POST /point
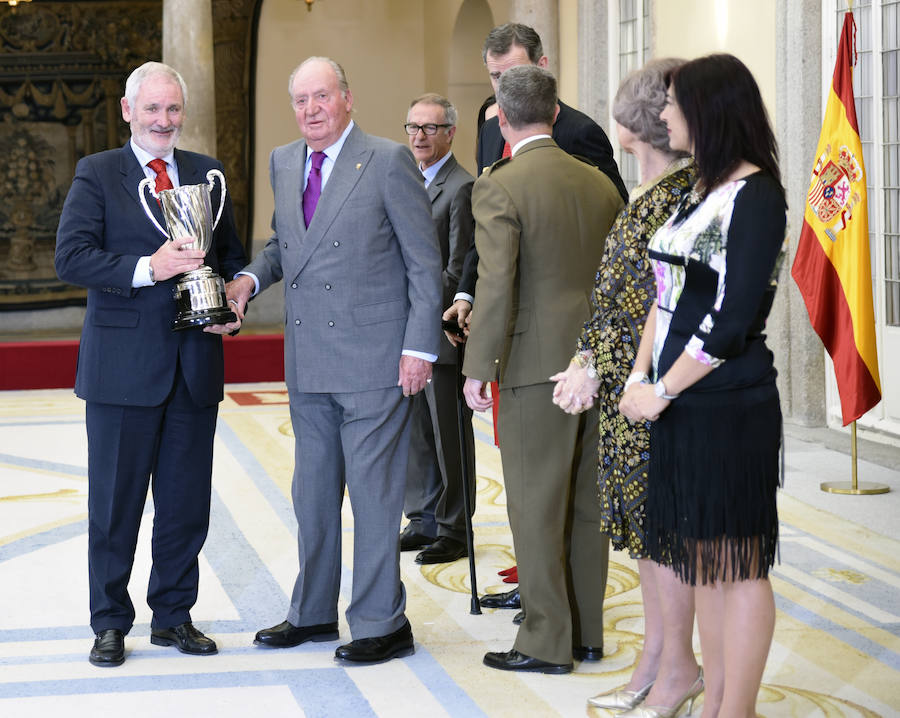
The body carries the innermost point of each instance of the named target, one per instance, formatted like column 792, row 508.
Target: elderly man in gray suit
column 354, row 242
column 435, row 504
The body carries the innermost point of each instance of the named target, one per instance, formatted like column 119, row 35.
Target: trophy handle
column 210, row 176
column 151, row 184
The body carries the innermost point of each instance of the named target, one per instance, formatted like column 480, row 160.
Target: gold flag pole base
column 853, row 487
column 847, row 487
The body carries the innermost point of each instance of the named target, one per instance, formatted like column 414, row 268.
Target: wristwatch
column 660, row 390
column 150, row 269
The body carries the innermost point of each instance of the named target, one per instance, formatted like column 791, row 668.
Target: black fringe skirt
column 714, row 471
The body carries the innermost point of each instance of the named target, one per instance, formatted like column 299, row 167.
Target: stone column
column 799, row 356
column 543, row 16
column 593, row 60
column 188, row 47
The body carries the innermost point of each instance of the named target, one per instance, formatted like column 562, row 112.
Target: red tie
column 162, row 177
column 507, row 150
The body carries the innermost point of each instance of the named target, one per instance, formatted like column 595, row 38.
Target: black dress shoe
column 411, row 540
column 287, row 635
column 109, row 648
column 444, row 550
column 381, row 648
column 185, row 638
column 588, row 653
column 515, row 661
column 509, row 599
column 519, row 617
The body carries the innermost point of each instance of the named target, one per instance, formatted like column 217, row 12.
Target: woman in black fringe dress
column 715, row 434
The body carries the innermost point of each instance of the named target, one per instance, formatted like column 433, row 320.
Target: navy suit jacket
column 129, row 353
column 574, row 132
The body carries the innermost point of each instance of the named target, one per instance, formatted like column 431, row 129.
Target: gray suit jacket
column 362, row 283
column 450, row 193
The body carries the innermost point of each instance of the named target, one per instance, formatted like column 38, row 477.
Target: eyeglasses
column 412, row 129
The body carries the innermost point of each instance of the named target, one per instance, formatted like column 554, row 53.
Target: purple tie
column 313, row 187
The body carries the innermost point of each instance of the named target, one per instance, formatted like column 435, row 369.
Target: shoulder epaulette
column 499, row 163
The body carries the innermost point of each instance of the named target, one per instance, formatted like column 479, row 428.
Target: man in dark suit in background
column 434, row 501
column 354, row 243
column 152, row 394
column 540, row 243
column 507, row 46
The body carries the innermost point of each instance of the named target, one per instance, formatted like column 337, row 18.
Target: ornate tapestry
column 63, row 67
column 62, row 71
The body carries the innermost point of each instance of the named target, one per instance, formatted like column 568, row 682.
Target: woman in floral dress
column 624, row 291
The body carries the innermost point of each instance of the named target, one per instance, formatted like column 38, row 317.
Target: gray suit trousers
column 361, row 440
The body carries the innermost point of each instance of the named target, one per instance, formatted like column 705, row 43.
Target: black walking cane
column 454, row 328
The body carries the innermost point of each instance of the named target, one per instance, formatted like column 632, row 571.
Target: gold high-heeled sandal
column 668, row 712
column 619, row 699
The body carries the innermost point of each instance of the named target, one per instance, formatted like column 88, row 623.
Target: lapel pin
column 358, row 165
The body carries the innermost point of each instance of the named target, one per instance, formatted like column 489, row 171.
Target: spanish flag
column 832, row 266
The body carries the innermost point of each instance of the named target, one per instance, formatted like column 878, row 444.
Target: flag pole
column 853, row 486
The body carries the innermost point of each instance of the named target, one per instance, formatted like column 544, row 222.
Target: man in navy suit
column 151, row 394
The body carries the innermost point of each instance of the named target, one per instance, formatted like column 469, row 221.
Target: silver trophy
column 200, row 293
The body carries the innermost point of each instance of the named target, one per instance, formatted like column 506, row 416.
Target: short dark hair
column 503, row 37
column 726, row 119
column 527, row 96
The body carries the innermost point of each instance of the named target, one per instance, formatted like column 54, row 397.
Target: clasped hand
column 640, row 403
column 575, row 391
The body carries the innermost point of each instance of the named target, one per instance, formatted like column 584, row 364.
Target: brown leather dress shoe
column 444, row 550
column 287, row 635
column 185, row 638
column 109, row 648
column 515, row 661
column 380, row 648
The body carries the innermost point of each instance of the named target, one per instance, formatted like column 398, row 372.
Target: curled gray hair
column 432, row 98
column 527, row 96
column 343, row 85
column 641, row 97
column 148, row 69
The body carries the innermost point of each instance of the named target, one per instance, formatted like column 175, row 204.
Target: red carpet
column 51, row 365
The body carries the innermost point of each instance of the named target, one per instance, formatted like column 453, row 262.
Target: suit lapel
column 132, row 176
column 187, row 170
column 437, row 184
column 348, row 168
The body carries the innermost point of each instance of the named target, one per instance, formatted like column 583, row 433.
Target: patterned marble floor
column 836, row 651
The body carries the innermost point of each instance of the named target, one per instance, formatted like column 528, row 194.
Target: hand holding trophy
column 200, row 293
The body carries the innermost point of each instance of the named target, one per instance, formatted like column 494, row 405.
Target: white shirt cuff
column 141, row 276
column 462, row 295
column 255, row 281
column 420, row 355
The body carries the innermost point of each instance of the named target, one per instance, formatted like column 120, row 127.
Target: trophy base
column 200, row 298
column 202, row 319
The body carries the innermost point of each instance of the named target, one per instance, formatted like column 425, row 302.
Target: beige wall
column 690, row 28
column 568, row 52
column 392, row 51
